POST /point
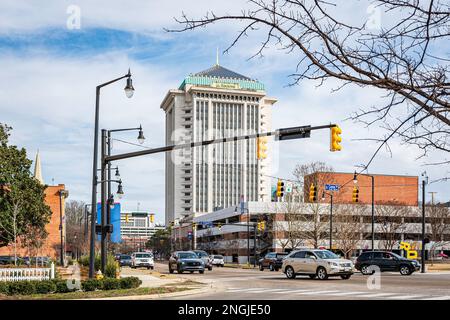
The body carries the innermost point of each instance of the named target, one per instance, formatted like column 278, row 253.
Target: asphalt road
column 242, row 284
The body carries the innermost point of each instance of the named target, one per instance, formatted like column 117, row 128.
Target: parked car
column 142, row 259
column 217, row 260
column 125, row 260
column 386, row 261
column 316, row 263
column 185, row 261
column 4, row 260
column 205, row 257
column 40, row 261
column 272, row 260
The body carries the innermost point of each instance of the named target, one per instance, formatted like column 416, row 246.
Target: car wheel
column 261, row 267
column 365, row 269
column 271, row 268
column 152, row 268
column 290, row 272
column 148, row 268
column 312, row 276
column 170, row 270
column 202, row 271
column 322, row 273
column 346, row 276
column 276, row 269
column 209, row 268
column 179, row 270
column 191, row 271
column 405, row 270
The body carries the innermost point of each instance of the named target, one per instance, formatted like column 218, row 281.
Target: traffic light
column 335, row 140
column 259, row 226
column 126, row 218
column 261, row 148
column 219, row 226
column 312, row 193
column 263, row 225
column 355, row 195
column 152, row 218
column 280, row 189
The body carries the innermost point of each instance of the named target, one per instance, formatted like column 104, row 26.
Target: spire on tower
column 217, row 56
column 37, row 168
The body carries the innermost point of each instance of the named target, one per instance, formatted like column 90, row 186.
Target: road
column 242, row 284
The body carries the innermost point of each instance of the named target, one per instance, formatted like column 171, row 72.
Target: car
column 205, row 257
column 217, row 260
column 316, row 263
column 125, row 260
column 273, row 261
column 142, row 259
column 40, row 261
column 5, row 260
column 186, row 261
column 386, row 261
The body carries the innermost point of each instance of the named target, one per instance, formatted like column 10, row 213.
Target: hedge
column 60, row 286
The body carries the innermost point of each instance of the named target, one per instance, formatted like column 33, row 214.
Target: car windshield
column 125, row 257
column 187, row 255
column 396, row 255
column 143, row 255
column 325, row 254
column 218, row 257
column 202, row 254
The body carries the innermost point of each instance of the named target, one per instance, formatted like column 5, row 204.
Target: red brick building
column 388, row 188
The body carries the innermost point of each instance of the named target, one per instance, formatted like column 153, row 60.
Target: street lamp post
column 424, row 182
column 331, row 216
column 355, row 180
column 129, row 90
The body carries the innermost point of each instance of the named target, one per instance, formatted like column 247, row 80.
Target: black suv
column 272, row 260
column 386, row 261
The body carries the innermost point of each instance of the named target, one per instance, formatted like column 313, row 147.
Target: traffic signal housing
column 312, row 193
column 355, row 194
column 261, row 148
column 126, row 218
column 335, row 139
column 280, row 189
column 152, row 218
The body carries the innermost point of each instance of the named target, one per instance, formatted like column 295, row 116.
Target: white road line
column 349, row 293
column 438, row 298
column 271, row 290
column 376, row 295
column 317, row 292
column 245, row 289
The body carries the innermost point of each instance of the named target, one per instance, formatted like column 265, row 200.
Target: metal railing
column 18, row 274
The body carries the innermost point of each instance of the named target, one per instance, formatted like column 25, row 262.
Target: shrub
column 61, row 286
column 91, row 285
column 111, row 284
column 84, row 261
column 130, row 282
column 22, row 287
column 4, row 288
column 111, row 268
column 46, row 286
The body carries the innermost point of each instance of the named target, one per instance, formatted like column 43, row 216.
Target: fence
column 17, row 274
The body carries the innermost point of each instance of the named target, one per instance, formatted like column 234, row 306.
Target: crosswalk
column 366, row 295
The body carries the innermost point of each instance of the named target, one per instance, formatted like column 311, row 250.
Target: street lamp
column 141, row 137
column 424, row 182
column 120, row 192
column 331, row 215
column 129, row 90
column 355, row 180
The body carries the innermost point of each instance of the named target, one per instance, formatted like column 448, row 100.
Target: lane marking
column 376, row 295
column 407, row 297
column 438, row 298
column 349, row 293
column 317, row 292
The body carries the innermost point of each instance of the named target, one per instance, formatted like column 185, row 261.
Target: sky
column 54, row 53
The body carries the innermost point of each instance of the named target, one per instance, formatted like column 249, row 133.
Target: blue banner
column 115, row 221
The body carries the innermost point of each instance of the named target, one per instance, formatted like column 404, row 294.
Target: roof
column 221, row 72
column 222, row 78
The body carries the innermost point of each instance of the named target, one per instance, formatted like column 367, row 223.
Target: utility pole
column 424, row 182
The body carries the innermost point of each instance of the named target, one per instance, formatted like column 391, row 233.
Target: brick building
column 56, row 202
column 388, row 188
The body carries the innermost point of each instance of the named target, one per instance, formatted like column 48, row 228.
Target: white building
column 215, row 103
column 137, row 225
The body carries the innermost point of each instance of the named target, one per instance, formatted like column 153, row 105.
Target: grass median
column 98, row 294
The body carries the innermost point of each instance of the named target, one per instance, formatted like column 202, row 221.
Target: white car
column 142, row 259
column 217, row 260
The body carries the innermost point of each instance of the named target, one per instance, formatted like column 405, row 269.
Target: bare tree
column 349, row 226
column 74, row 226
column 439, row 222
column 287, row 230
column 402, row 57
column 390, row 221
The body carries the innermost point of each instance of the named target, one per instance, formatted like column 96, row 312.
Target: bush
column 61, row 286
column 4, row 287
column 111, row 284
column 130, row 282
column 91, row 285
column 84, row 261
column 46, row 286
column 22, row 287
column 111, row 268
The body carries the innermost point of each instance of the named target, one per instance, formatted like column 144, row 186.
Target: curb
column 157, row 295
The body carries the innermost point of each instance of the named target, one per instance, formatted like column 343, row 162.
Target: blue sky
column 49, row 74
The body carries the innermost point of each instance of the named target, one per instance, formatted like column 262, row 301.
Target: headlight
column 334, row 264
column 182, row 262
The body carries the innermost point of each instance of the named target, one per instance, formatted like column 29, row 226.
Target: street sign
column 293, row 133
column 332, row 187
